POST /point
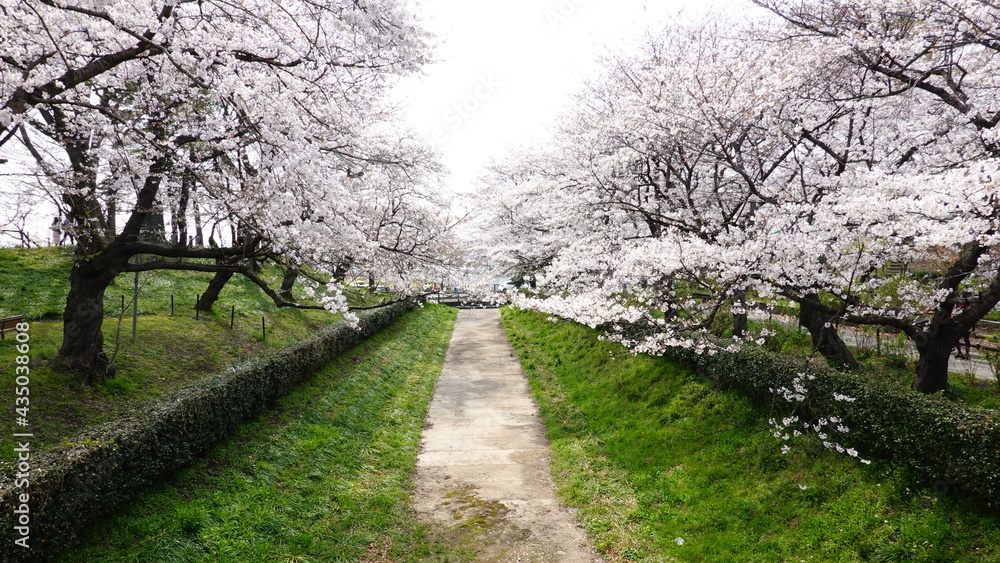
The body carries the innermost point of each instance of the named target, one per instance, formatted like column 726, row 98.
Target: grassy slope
column 324, row 477
column 651, row 455
column 34, row 283
column 168, row 351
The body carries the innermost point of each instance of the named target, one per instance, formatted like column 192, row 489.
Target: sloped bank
column 667, row 465
column 70, row 487
column 948, row 445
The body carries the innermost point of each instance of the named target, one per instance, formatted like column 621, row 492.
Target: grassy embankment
column 323, row 477
column 168, row 351
column 665, row 467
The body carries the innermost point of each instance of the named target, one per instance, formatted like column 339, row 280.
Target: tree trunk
column 740, row 320
column 211, row 294
column 932, row 365
column 83, row 342
column 825, row 338
column 341, row 269
column 97, row 265
column 934, row 346
column 243, row 237
column 946, row 328
column 99, row 257
column 86, row 224
column 154, row 227
column 180, row 224
column 112, row 219
column 288, row 282
column 199, row 228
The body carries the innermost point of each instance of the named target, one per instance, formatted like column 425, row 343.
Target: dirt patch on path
column 483, row 481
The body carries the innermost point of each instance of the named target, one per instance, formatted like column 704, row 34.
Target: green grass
column 648, row 453
column 167, row 352
column 34, row 282
column 324, row 477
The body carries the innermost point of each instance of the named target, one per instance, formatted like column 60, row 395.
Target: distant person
column 960, row 307
column 56, row 229
column 67, row 232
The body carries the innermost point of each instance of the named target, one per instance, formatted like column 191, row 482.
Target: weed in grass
column 190, row 520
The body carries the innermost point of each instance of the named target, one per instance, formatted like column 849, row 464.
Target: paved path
column 483, row 476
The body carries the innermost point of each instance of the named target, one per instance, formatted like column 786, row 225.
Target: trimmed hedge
column 949, row 446
column 73, row 486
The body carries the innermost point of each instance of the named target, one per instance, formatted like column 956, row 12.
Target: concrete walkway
column 483, row 478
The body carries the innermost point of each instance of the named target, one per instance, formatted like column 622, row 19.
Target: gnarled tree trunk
column 288, row 282
column 934, row 346
column 82, row 347
column 825, row 338
column 932, row 365
column 946, row 328
column 97, row 264
column 211, row 295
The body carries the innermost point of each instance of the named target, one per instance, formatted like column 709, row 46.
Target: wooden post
column 263, row 329
column 171, row 304
column 135, row 304
column 196, row 311
column 232, row 317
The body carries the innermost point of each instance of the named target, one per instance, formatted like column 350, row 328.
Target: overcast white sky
column 506, row 68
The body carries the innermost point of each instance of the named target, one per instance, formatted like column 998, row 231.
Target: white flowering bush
column 825, row 430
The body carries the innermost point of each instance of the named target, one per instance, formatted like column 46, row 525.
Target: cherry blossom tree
column 269, row 112
column 937, row 60
column 530, row 213
column 793, row 163
column 675, row 152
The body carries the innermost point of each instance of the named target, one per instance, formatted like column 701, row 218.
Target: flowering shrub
column 822, row 428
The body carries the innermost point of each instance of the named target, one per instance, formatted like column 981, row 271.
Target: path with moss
column 483, row 481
